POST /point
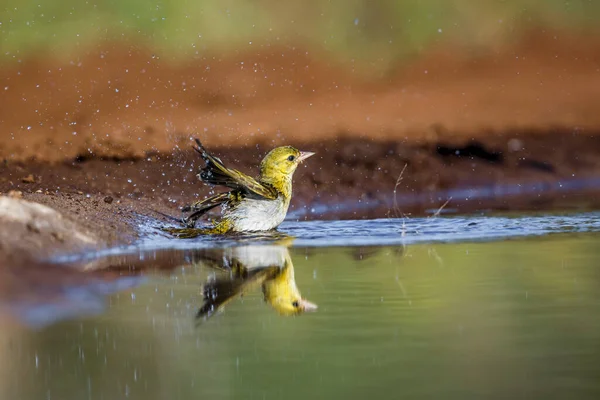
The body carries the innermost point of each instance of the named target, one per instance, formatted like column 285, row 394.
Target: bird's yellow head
column 283, row 295
column 281, row 162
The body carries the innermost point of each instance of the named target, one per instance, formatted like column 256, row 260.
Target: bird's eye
column 295, row 303
column 291, row 158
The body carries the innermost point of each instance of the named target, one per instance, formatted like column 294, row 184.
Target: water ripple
column 377, row 232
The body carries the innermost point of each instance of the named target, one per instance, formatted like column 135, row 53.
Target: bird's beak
column 304, row 155
column 307, row 306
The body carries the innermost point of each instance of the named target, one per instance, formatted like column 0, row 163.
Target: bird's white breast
column 257, row 215
column 253, row 257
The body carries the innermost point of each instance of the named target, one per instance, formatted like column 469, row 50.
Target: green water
column 504, row 319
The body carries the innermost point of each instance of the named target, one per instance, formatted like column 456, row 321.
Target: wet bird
column 269, row 267
column 252, row 205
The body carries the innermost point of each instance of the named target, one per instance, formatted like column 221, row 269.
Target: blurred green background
column 351, row 29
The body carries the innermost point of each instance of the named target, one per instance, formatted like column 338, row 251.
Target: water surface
column 414, row 318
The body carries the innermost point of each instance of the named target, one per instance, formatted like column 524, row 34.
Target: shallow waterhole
column 451, row 307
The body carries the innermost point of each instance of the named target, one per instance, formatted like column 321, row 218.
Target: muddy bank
column 348, row 178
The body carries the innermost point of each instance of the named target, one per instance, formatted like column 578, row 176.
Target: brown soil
column 104, row 138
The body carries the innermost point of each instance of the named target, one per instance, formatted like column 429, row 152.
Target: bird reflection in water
column 248, row 267
column 240, row 268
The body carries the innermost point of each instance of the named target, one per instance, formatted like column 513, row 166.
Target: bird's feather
column 202, row 207
column 222, row 290
column 215, row 173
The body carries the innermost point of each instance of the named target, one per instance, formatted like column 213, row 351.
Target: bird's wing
column 222, row 290
column 215, row 173
column 202, row 207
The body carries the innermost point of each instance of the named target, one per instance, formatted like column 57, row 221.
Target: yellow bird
column 253, row 204
column 268, row 266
